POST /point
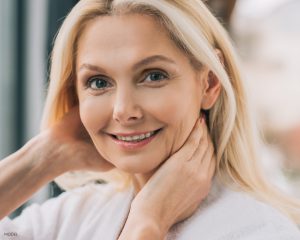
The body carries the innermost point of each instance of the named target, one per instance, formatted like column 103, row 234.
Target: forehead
column 124, row 36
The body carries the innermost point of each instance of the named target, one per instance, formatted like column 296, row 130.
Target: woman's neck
column 140, row 179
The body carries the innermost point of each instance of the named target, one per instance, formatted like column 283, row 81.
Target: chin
column 135, row 167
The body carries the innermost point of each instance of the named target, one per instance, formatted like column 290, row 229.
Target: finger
column 204, row 163
column 202, row 144
column 191, row 144
column 208, row 162
column 212, row 167
column 72, row 118
column 83, row 134
column 72, row 114
column 195, row 134
column 208, row 144
column 204, row 157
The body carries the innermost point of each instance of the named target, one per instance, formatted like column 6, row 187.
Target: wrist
column 153, row 214
column 45, row 155
column 138, row 227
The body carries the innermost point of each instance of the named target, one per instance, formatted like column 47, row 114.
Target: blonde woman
column 133, row 85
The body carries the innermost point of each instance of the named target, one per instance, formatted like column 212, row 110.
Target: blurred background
column 265, row 33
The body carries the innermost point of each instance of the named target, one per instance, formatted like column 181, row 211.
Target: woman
column 136, row 75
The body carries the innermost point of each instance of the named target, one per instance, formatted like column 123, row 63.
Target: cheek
column 177, row 107
column 93, row 114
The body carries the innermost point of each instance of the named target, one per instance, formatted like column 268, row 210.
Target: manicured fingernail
column 202, row 118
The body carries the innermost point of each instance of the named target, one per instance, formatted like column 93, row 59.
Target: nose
column 126, row 109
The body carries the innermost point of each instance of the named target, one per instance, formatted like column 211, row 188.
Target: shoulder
column 69, row 202
column 79, row 209
column 228, row 214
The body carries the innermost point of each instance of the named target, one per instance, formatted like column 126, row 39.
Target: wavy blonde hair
column 197, row 33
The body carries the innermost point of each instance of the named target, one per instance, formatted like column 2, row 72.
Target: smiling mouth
column 136, row 138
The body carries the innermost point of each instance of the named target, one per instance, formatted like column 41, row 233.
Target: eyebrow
column 139, row 64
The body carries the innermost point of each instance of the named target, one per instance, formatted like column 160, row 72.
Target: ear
column 212, row 86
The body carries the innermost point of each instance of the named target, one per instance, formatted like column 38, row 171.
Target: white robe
column 98, row 212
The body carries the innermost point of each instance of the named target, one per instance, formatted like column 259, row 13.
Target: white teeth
column 136, row 137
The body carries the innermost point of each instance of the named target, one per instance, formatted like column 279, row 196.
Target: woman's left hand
column 178, row 187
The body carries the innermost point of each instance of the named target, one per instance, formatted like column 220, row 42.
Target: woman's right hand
column 177, row 188
column 64, row 147
column 68, row 143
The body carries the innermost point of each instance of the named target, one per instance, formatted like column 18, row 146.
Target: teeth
column 136, row 137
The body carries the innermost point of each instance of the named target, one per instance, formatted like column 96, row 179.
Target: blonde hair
column 196, row 32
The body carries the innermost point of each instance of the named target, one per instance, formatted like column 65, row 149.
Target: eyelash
column 91, row 80
column 162, row 73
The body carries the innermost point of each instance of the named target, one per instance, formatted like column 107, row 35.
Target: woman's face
column 133, row 80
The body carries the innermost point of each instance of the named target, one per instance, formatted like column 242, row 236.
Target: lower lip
column 134, row 145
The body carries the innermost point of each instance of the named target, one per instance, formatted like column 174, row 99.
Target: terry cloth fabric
column 99, row 212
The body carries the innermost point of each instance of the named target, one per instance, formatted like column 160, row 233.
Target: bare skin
column 155, row 208
column 195, row 163
column 122, row 80
column 184, row 149
column 43, row 158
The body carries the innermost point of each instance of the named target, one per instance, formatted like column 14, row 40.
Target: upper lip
column 132, row 134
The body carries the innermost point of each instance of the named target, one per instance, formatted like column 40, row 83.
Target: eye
column 98, row 83
column 156, row 76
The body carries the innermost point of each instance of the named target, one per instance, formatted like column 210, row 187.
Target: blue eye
column 97, row 83
column 155, row 76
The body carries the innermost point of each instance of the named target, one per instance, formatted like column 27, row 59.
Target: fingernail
column 201, row 120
